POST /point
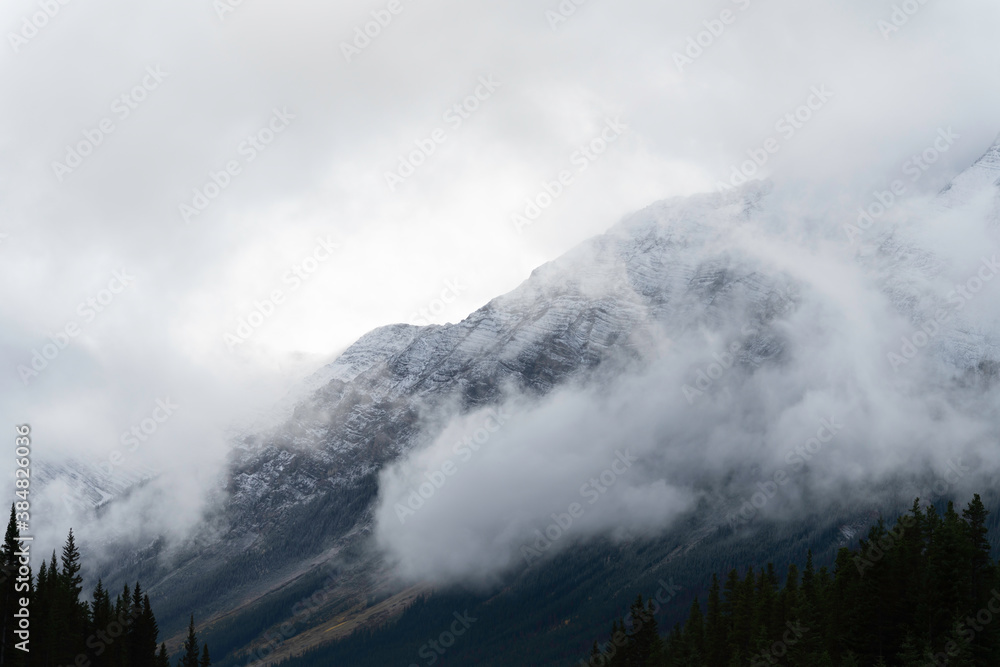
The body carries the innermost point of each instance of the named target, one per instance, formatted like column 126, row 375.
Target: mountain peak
column 991, row 158
column 983, row 173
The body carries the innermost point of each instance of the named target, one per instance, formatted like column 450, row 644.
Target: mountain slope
column 670, row 281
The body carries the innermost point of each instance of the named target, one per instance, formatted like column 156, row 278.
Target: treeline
column 925, row 592
column 62, row 629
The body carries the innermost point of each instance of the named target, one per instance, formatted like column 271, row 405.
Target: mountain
column 92, row 486
column 667, row 285
column 979, row 179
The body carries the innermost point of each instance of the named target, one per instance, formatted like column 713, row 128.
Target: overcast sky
column 115, row 113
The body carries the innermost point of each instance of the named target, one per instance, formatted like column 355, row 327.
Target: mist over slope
column 776, row 361
column 719, row 359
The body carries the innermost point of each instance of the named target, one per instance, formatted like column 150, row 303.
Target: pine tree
column 843, row 639
column 42, row 610
column 769, row 619
column 675, row 647
column 618, row 653
column 70, row 574
column 644, row 638
column 163, row 658
column 808, row 649
column 743, row 632
column 71, row 613
column 974, row 518
column 101, row 617
column 150, row 632
column 694, row 634
column 206, row 660
column 730, row 600
column 716, row 632
column 121, row 650
column 595, row 655
column 143, row 631
column 190, row 650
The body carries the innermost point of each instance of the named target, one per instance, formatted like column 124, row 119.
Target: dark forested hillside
column 551, row 613
column 924, row 584
column 923, row 592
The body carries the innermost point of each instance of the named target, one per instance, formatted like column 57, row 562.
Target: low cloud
column 806, row 407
